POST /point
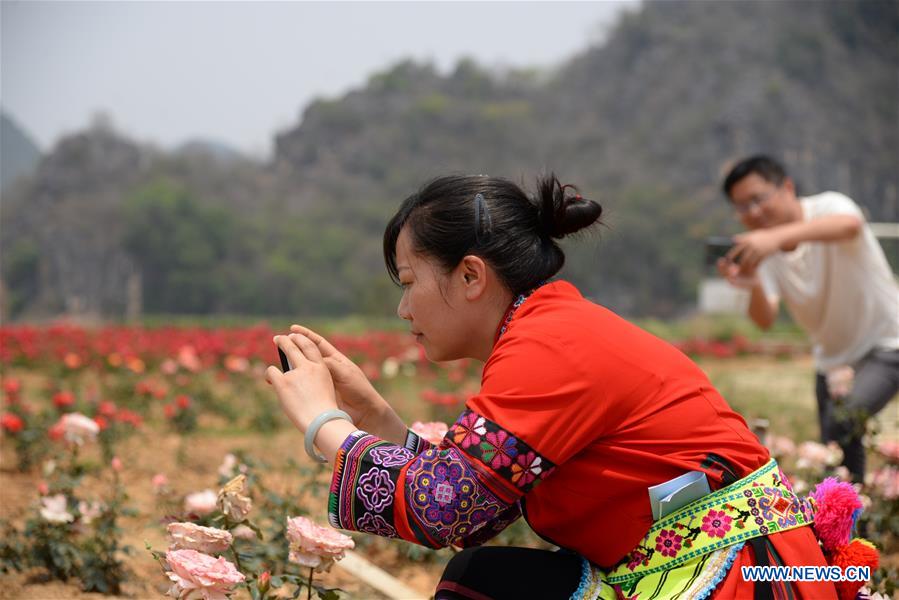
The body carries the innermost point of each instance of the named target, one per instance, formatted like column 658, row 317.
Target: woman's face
column 433, row 302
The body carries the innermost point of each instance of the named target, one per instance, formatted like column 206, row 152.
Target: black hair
column 493, row 218
column 762, row 165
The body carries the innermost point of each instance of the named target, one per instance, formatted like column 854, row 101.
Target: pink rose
column 160, row 483
column 55, row 509
column 116, row 463
column 236, row 364
column 76, row 428
column 190, row 536
column 196, row 575
column 188, row 358
column 865, row 593
column 200, row 503
column 228, row 466
column 840, row 381
column 264, row 582
column 314, row 546
column 813, row 455
column 885, row 481
column 780, row 446
column 91, row 511
column 433, row 431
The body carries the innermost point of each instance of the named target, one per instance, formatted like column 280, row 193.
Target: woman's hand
column 354, row 392
column 306, row 390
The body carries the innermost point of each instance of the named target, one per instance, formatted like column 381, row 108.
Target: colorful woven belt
column 759, row 504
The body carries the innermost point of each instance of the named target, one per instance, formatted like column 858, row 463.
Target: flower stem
column 311, row 574
column 236, row 559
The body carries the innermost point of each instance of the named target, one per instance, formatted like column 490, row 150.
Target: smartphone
column 717, row 247
column 285, row 364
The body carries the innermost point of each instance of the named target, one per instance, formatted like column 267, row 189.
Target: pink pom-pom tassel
column 838, row 506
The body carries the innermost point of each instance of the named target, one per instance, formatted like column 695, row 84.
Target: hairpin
column 480, row 208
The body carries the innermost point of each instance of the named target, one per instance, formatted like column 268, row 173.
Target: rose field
column 138, row 461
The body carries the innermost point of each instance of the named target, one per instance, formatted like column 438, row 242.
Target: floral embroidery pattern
column 468, row 429
column 482, row 515
column 716, row 523
column 446, row 497
column 515, row 306
column 501, row 453
column 668, row 543
column 464, row 490
column 391, row 456
column 486, row 523
column 375, row 490
column 759, row 504
column 498, row 448
column 526, row 469
column 637, row 558
column 375, row 524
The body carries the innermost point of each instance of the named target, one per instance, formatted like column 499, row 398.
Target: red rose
column 126, row 416
column 56, row 431
column 12, row 423
column 63, row 399
column 12, row 386
column 107, row 409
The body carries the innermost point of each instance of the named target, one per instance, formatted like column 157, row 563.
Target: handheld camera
column 717, row 247
column 285, row 364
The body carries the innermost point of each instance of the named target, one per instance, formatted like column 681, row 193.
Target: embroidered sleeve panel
column 446, row 499
column 366, row 474
column 492, row 528
column 441, row 496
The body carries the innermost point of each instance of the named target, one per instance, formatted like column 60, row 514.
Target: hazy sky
column 240, row 71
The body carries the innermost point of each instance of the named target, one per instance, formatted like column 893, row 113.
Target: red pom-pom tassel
column 858, row 553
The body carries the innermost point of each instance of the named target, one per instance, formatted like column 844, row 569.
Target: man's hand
column 736, row 274
column 762, row 311
column 752, row 247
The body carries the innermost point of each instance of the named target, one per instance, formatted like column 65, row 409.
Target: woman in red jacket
column 579, row 413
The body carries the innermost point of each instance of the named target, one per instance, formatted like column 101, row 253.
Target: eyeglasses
column 757, row 200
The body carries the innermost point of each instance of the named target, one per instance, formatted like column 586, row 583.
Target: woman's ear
column 473, row 271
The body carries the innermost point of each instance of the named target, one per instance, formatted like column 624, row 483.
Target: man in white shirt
column 819, row 256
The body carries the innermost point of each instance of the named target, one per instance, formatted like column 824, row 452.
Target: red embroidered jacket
column 579, row 413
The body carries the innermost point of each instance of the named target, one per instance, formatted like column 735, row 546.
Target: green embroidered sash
column 759, row 504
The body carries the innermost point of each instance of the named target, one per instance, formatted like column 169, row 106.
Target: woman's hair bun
column 563, row 212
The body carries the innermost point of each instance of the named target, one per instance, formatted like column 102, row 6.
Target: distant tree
column 179, row 245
